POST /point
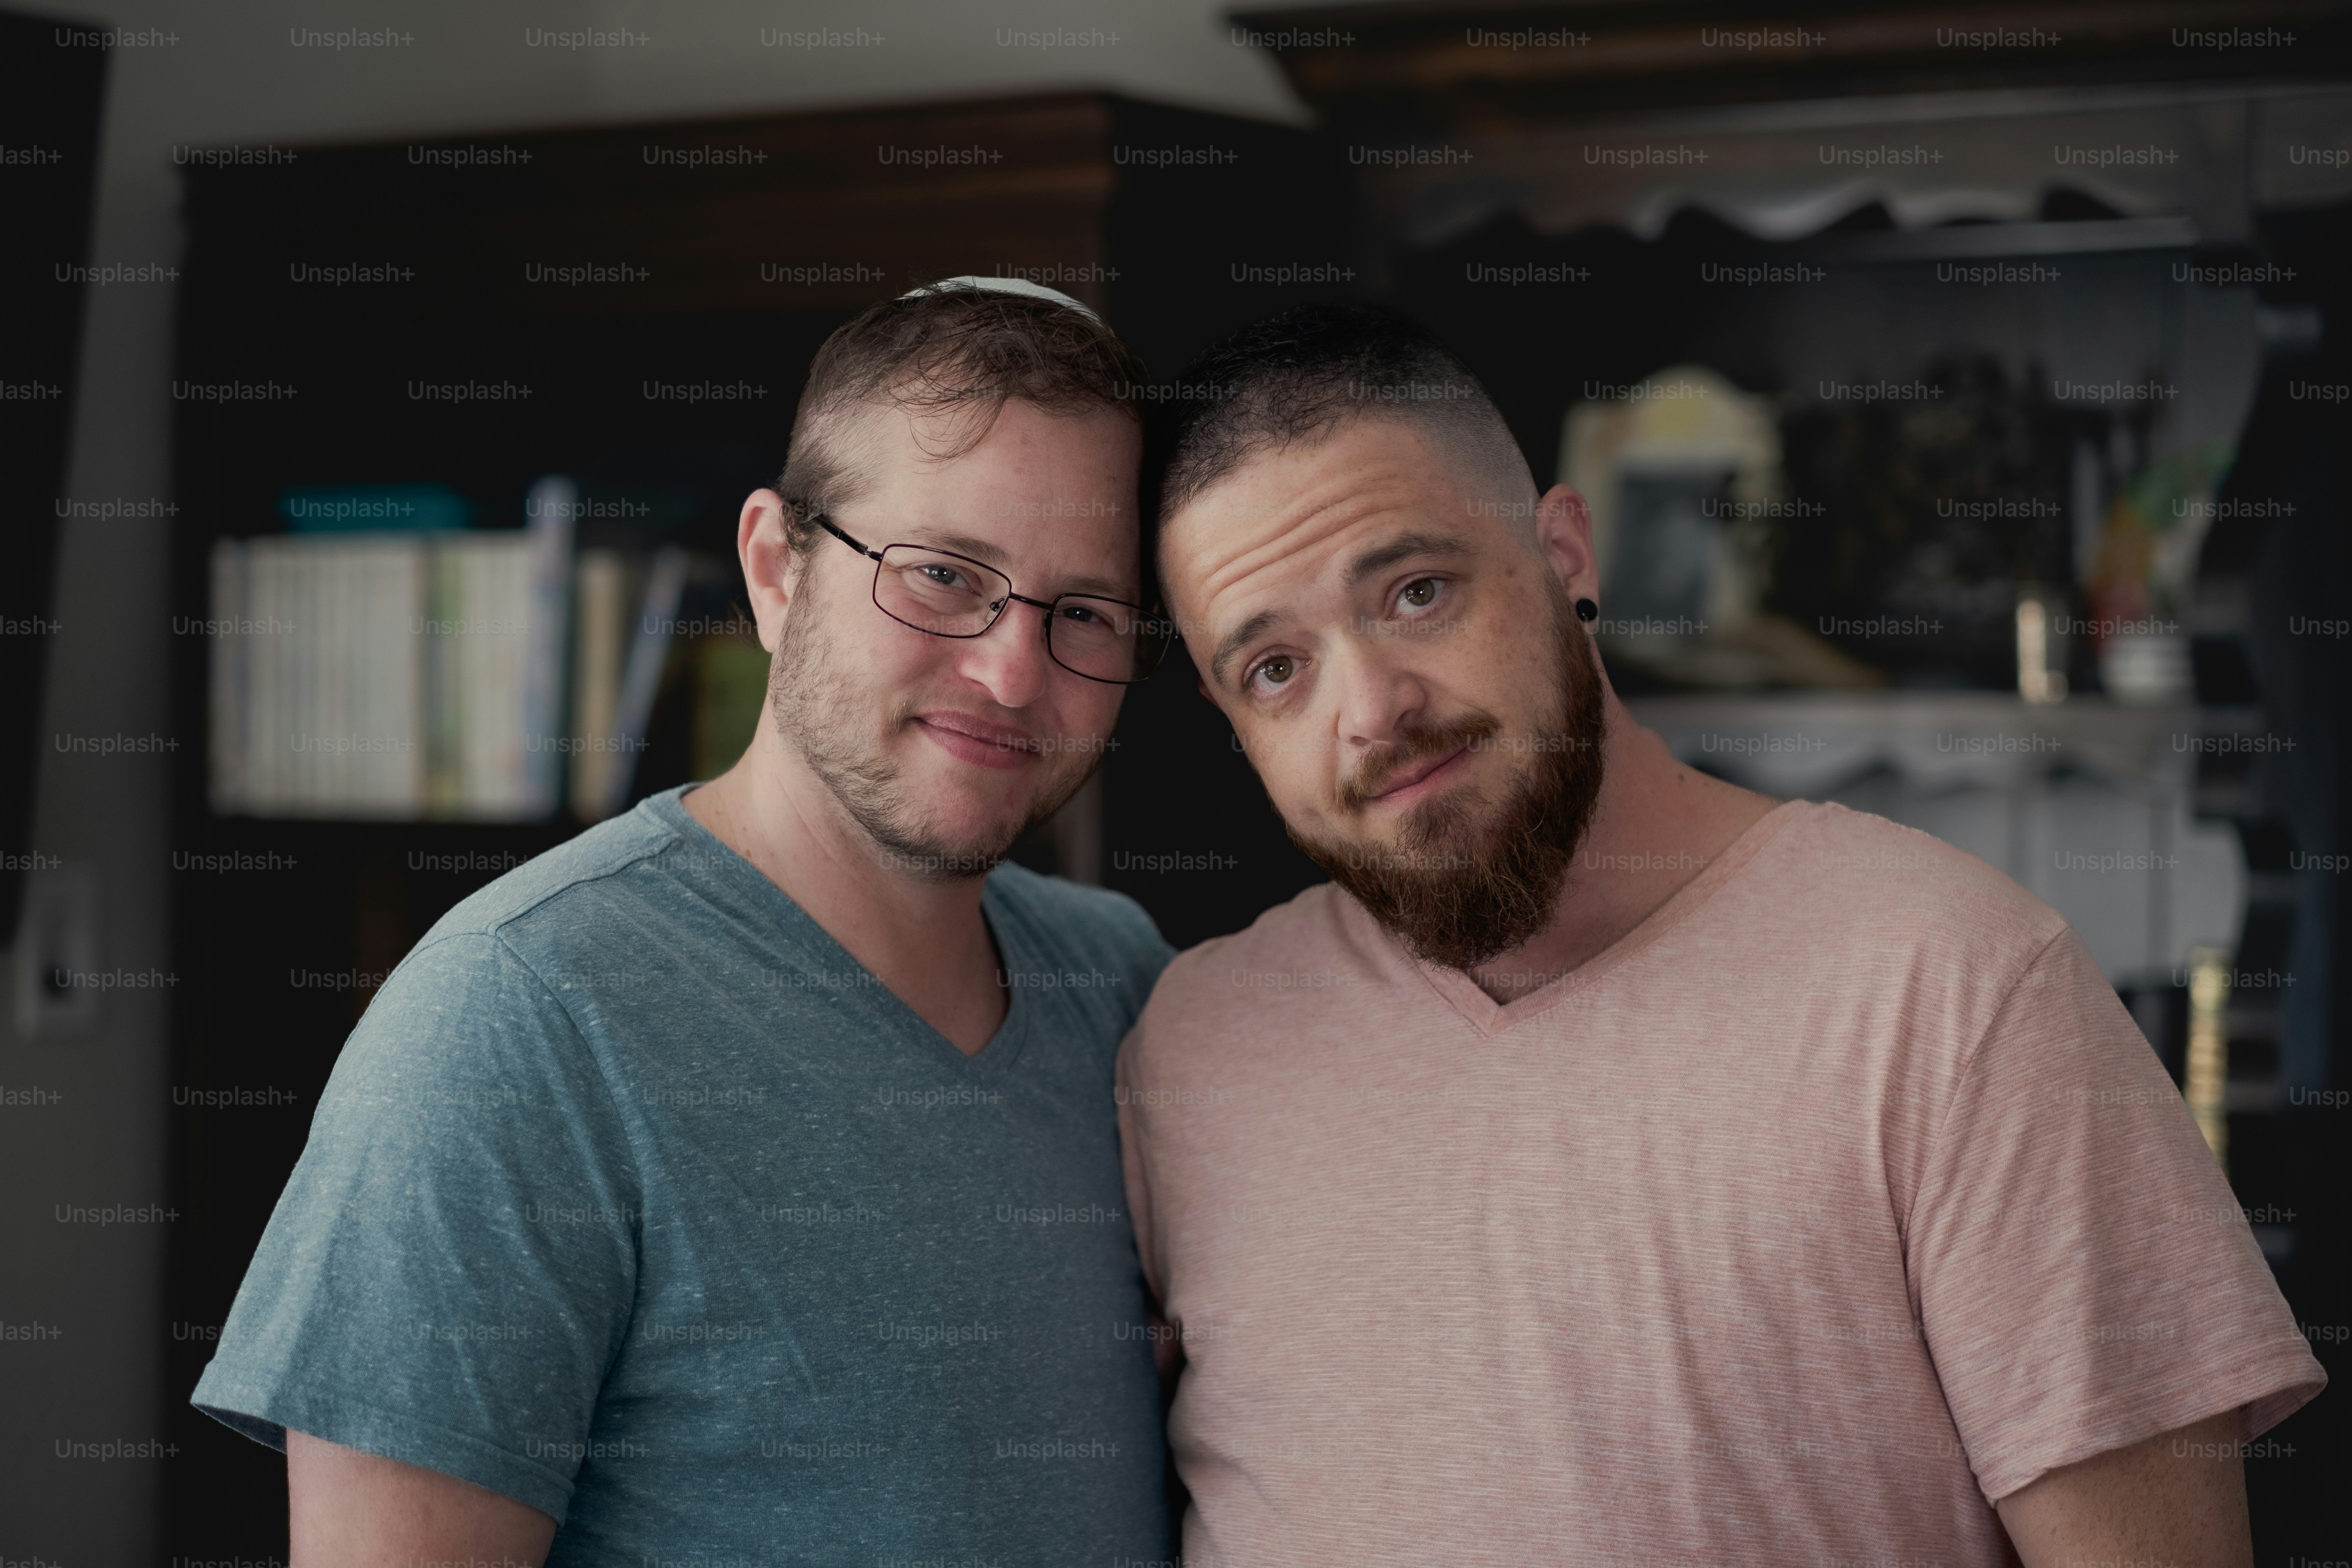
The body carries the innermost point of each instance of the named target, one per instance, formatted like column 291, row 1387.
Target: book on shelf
column 607, row 590
column 628, row 618
column 393, row 674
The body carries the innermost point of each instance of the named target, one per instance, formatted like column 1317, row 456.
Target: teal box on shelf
column 335, row 508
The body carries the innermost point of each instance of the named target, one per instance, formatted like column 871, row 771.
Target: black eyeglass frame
column 1150, row 648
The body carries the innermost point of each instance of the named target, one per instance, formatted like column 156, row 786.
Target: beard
column 829, row 719
column 1465, row 880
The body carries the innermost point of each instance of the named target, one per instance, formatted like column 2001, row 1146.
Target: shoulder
column 1088, row 931
column 1309, row 947
column 477, row 974
column 1869, row 906
column 1860, row 870
column 565, row 874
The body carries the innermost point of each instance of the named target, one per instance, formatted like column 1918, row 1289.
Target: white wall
column 231, row 71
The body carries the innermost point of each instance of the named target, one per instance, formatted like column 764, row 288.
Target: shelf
column 1803, row 742
column 1991, row 241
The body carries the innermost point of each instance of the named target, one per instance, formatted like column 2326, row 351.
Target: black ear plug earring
column 1586, row 610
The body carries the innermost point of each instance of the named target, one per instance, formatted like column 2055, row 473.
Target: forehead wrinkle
column 1402, row 547
column 1345, row 503
column 1334, row 521
column 1253, row 559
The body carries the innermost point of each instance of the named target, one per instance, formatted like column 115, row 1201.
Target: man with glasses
column 740, row 1182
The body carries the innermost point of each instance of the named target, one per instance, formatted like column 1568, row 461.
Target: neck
column 924, row 940
column 1656, row 824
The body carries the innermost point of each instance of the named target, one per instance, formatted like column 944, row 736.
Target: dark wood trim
column 1415, row 65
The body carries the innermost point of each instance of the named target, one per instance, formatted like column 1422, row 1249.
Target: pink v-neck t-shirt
column 1837, row 1199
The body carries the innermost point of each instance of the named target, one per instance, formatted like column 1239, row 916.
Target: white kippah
column 1005, row 286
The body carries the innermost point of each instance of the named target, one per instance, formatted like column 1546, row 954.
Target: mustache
column 1413, row 742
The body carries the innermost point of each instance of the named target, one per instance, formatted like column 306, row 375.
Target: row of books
column 480, row 674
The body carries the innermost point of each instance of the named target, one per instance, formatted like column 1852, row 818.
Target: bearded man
column 739, row 1183
column 1610, row 1165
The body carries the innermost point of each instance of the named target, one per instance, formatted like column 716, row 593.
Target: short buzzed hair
column 1294, row 377
column 954, row 351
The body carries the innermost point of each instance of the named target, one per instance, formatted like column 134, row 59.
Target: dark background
column 1154, row 250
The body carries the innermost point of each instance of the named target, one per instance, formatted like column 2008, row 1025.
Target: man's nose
column 1009, row 660
column 1380, row 695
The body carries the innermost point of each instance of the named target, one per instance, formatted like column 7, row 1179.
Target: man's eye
column 1275, row 671
column 1420, row 594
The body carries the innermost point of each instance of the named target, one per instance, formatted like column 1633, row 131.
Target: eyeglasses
column 952, row 596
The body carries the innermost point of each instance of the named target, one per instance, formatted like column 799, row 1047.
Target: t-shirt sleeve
column 2085, row 1276
column 451, row 1267
column 1134, row 1161
column 1138, row 953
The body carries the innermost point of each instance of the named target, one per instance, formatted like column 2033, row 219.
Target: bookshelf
column 479, row 313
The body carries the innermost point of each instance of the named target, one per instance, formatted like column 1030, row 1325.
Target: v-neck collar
column 795, row 925
column 1490, row 1017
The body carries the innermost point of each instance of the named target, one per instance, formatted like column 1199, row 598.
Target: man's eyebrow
column 1371, row 562
column 1404, row 547
column 1240, row 637
column 989, row 554
column 980, row 549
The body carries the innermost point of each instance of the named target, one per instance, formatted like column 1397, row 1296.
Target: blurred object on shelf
column 373, row 508
column 1682, row 471
column 641, row 676
column 2208, row 1078
column 391, row 674
column 730, row 691
column 282, row 684
column 1916, row 520
column 550, row 512
column 2090, row 806
column 608, row 584
column 2145, row 557
column 632, row 619
column 1789, row 654
column 2041, row 646
column 2146, row 668
column 2175, row 493
column 2140, row 580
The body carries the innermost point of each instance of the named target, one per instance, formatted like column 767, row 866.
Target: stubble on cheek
column 819, row 710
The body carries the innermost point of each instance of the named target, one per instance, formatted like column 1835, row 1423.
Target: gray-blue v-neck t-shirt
column 635, row 1198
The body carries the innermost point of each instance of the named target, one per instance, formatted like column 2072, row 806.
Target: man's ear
column 764, row 547
column 1564, row 534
